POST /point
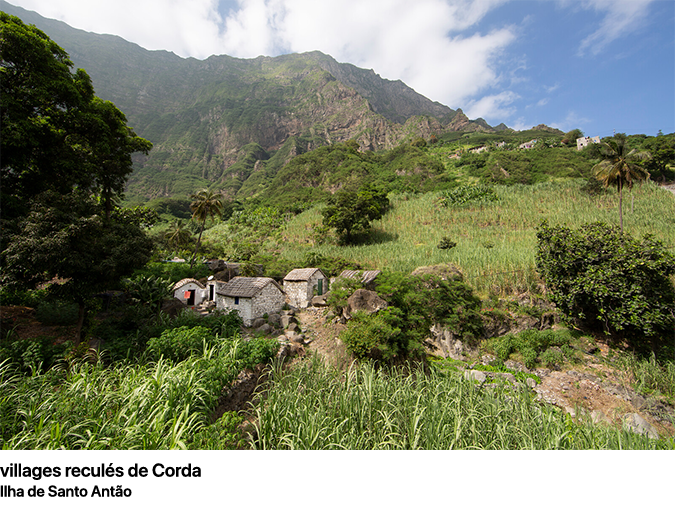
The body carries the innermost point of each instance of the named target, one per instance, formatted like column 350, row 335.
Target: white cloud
column 423, row 43
column 431, row 45
column 494, row 107
column 572, row 120
column 186, row 28
column 621, row 18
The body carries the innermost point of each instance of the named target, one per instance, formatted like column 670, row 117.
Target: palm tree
column 619, row 167
column 177, row 236
column 206, row 204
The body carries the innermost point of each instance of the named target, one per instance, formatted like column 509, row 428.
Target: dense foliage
column 607, row 278
column 415, row 304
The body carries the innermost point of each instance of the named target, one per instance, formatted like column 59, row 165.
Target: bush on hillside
column 606, row 278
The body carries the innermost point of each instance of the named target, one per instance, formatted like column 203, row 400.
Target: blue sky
column 598, row 65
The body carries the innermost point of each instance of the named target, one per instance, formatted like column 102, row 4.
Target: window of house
column 236, row 300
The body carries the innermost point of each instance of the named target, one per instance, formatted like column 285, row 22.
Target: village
column 260, row 301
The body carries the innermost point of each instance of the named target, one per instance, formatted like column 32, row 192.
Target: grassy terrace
column 496, row 242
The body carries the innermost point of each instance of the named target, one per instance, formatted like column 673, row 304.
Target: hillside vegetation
column 311, row 163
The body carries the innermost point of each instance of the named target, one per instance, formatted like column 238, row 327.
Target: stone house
column 251, row 297
column 190, row 291
column 301, row 285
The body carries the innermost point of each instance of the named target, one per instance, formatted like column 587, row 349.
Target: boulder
column 365, row 301
column 444, row 343
column 320, row 301
column 287, row 320
column 293, row 327
column 258, row 322
column 475, row 375
column 265, row 328
column 636, row 423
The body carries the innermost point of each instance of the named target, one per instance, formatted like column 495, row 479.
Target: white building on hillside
column 585, row 141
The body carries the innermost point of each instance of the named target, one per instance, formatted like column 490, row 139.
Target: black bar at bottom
column 161, row 480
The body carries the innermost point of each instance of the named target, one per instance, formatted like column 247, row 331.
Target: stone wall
column 269, row 301
column 300, row 294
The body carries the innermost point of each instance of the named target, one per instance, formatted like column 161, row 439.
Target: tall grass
column 157, row 406
column 496, row 242
column 315, row 407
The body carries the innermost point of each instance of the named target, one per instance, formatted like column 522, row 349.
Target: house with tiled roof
column 301, row 285
column 251, row 297
column 190, row 291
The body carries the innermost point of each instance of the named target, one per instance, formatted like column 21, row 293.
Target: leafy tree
column 662, row 150
column 603, row 277
column 56, row 134
column 206, row 204
column 149, row 290
column 110, row 143
column 40, row 101
column 620, row 167
column 570, row 138
column 66, row 237
column 350, row 213
column 66, row 156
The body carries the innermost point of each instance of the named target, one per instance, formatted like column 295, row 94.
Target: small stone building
column 301, row 285
column 251, row 297
column 190, row 291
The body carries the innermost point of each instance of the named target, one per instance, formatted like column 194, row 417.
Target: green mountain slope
column 220, row 121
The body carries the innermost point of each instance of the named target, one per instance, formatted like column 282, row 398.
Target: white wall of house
column 243, row 306
column 300, row 293
column 200, row 293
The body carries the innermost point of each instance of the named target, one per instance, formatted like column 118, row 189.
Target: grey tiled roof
column 365, row 276
column 302, row 275
column 245, row 286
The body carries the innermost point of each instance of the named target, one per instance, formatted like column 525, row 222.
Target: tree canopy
column 350, row 213
column 66, row 157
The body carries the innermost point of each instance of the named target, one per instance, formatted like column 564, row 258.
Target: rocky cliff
column 218, row 121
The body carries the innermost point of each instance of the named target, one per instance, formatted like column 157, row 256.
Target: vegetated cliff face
column 220, row 120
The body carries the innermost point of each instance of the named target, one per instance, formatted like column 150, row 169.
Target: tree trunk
column 199, row 239
column 620, row 206
column 80, row 322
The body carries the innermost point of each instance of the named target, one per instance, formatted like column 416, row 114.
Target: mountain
column 218, row 121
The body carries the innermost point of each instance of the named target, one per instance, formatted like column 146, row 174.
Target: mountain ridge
column 201, row 115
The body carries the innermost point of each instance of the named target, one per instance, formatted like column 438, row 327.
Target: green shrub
column 32, row 355
column 607, row 278
column 256, row 351
column 224, row 434
column 446, row 243
column 552, row 357
column 23, row 297
column 465, row 195
column 532, row 344
column 180, row 343
column 376, row 336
